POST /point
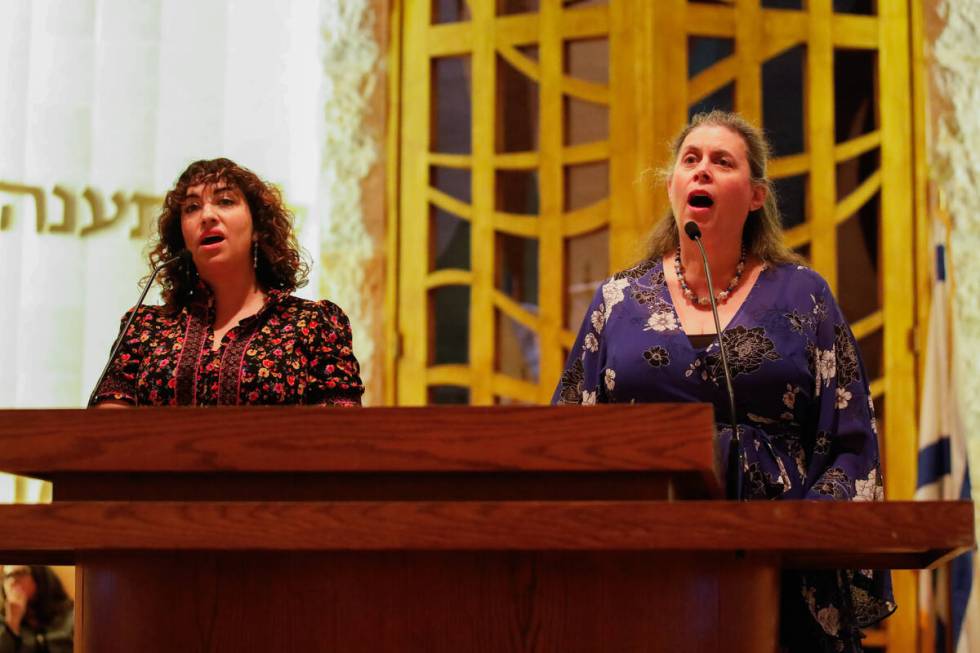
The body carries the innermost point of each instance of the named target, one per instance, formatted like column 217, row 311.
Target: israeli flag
column 947, row 600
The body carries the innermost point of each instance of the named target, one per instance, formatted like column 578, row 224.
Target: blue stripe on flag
column 961, row 577
column 934, row 462
column 940, row 263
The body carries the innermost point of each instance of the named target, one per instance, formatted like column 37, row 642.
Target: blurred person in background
column 38, row 615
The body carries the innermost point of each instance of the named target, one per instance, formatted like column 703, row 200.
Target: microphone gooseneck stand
column 736, row 457
column 122, row 334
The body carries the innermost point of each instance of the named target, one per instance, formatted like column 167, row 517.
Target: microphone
column 182, row 255
column 736, row 456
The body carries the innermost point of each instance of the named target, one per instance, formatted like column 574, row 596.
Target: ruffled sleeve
column 844, row 465
column 845, row 462
column 119, row 383
column 333, row 377
column 580, row 382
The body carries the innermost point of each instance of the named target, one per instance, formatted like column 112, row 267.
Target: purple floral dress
column 803, row 407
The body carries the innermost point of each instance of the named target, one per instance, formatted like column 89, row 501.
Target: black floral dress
column 803, row 407
column 293, row 351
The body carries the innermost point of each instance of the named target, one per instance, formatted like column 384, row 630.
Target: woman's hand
column 112, row 403
column 14, row 608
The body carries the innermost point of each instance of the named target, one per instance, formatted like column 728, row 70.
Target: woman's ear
column 759, row 192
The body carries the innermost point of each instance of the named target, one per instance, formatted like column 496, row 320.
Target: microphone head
column 692, row 230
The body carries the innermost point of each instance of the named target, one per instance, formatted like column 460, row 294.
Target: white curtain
column 102, row 104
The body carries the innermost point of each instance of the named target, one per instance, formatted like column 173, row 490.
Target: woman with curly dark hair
column 229, row 331
column 38, row 615
column 804, row 414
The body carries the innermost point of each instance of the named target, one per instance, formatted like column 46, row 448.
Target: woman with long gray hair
column 804, row 413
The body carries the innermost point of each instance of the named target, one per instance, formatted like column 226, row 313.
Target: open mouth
column 212, row 239
column 700, row 200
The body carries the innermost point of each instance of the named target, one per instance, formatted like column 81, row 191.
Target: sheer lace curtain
column 105, row 102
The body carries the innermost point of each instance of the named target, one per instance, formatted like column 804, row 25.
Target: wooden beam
column 819, row 89
column 748, row 40
column 482, row 323
column 412, row 341
column 808, row 533
column 898, row 280
column 551, row 179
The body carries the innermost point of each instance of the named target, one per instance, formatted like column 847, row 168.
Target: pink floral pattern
column 293, row 351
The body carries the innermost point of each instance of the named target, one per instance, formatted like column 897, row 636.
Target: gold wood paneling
column 858, row 197
column 856, row 31
column 413, row 224
column 897, row 283
column 483, row 131
column 708, row 20
column 447, row 40
column 798, row 235
column 857, row 146
column 515, row 389
column 574, row 154
column 711, row 79
column 789, row 166
column 586, row 219
column 551, row 246
column 648, row 96
column 923, row 240
column 868, row 325
column 451, row 204
column 392, row 228
column 450, row 160
column 575, row 87
column 820, row 140
column 748, row 79
column 517, row 225
column 782, row 29
column 515, row 311
column 447, row 375
column 448, row 278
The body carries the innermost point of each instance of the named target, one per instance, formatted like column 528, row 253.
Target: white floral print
column 843, row 396
column 610, row 379
column 588, row 398
column 591, row 342
column 826, row 364
column 789, row 397
column 829, row 620
column 869, row 489
column 598, row 319
column 612, row 294
column 662, row 321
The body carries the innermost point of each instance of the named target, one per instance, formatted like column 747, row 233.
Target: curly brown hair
column 280, row 264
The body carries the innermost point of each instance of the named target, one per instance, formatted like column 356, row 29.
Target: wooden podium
column 426, row 529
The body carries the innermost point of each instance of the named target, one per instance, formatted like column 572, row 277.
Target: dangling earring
column 187, row 271
column 255, row 255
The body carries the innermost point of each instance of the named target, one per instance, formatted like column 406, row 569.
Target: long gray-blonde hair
column 763, row 232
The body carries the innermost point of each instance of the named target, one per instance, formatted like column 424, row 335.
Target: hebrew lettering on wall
column 7, row 211
column 147, row 207
column 97, row 204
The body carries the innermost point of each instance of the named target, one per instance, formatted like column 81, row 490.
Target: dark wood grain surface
column 430, row 602
column 668, row 437
column 808, row 533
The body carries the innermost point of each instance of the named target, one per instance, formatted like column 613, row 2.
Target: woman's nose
column 208, row 214
column 701, row 173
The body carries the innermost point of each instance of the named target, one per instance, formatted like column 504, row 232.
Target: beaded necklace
column 723, row 296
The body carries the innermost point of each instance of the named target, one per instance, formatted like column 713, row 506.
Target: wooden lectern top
column 440, row 478
column 647, row 437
